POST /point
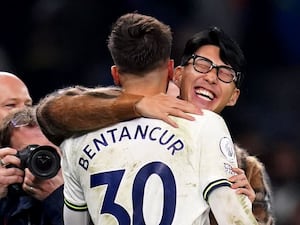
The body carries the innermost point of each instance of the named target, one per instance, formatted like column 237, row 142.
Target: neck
column 152, row 83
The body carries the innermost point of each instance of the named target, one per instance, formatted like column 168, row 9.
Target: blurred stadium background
column 52, row 44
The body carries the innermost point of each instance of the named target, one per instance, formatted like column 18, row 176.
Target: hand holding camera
column 41, row 188
column 43, row 162
column 9, row 176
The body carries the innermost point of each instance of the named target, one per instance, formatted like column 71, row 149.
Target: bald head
column 13, row 94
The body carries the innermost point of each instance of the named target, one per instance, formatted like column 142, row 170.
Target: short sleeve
column 217, row 155
column 73, row 194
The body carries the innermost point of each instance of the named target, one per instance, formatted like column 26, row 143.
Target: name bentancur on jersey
column 108, row 137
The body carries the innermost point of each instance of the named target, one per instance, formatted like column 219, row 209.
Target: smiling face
column 205, row 90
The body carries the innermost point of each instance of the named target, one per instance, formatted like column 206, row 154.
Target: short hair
column 230, row 52
column 25, row 115
column 139, row 43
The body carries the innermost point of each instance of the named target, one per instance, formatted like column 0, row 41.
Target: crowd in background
column 55, row 43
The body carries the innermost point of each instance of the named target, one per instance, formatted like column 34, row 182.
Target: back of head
column 230, row 52
column 139, row 43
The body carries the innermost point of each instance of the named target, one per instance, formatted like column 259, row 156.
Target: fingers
column 249, row 192
column 29, row 188
column 7, row 151
column 161, row 105
column 239, row 180
column 8, row 156
column 181, row 105
column 241, row 184
column 40, row 188
column 240, row 175
column 238, row 170
column 2, row 163
column 10, row 176
column 170, row 121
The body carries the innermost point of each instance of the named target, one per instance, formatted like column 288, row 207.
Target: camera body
column 43, row 161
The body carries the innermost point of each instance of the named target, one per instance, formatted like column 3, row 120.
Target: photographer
column 25, row 198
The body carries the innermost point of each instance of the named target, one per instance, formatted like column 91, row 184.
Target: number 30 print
column 113, row 179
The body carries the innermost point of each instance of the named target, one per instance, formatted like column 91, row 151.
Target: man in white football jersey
column 144, row 171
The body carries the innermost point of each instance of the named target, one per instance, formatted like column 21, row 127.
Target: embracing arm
column 76, row 110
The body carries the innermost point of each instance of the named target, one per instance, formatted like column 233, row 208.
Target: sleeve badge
column 227, row 149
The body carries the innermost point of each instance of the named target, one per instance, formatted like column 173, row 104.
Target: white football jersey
column 144, row 171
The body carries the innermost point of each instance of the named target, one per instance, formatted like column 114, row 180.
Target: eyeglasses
column 20, row 121
column 204, row 65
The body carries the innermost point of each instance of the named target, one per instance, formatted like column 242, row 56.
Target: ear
column 177, row 75
column 115, row 74
column 170, row 69
column 234, row 97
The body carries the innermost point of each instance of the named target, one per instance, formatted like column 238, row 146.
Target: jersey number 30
column 113, row 180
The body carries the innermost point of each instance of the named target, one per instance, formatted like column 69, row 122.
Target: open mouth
column 205, row 94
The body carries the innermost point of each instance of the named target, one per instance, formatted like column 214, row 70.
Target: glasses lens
column 226, row 74
column 202, row 65
column 19, row 121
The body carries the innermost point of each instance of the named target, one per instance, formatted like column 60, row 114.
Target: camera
column 43, row 161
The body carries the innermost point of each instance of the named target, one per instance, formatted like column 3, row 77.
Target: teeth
column 205, row 93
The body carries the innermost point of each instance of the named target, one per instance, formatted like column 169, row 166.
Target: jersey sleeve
column 73, row 193
column 217, row 155
column 230, row 208
column 72, row 217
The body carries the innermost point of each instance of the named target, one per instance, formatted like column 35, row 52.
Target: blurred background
column 52, row 44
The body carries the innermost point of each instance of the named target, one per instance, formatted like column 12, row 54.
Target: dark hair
column 139, row 43
column 230, row 52
column 6, row 128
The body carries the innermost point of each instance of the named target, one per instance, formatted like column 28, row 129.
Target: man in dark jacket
column 24, row 197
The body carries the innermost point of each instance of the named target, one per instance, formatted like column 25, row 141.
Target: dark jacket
column 22, row 209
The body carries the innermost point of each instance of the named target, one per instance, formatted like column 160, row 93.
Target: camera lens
column 44, row 162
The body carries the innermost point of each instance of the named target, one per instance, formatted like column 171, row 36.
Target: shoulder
column 211, row 114
column 207, row 117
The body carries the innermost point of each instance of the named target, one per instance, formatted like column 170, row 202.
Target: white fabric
column 72, row 217
column 226, row 205
column 147, row 172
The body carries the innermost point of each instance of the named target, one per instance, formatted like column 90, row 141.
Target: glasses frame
column 17, row 125
column 212, row 66
column 19, row 121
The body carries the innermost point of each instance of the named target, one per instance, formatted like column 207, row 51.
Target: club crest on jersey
column 226, row 147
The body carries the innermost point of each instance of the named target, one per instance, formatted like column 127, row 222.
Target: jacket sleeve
column 75, row 110
column 53, row 207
